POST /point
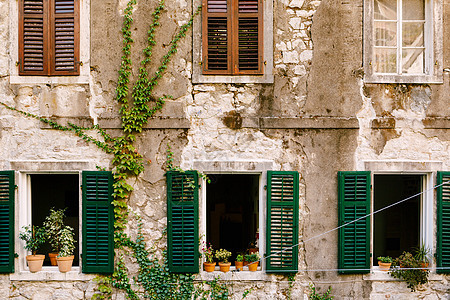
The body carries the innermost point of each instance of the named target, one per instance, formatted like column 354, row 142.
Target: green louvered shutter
column 282, row 221
column 98, row 222
column 443, row 222
column 354, row 239
column 182, row 221
column 7, row 221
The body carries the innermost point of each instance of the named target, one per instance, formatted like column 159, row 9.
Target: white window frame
column 267, row 77
column 85, row 25
column 433, row 47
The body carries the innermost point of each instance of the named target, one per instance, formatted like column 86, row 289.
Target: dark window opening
column 56, row 191
column 396, row 229
column 233, row 212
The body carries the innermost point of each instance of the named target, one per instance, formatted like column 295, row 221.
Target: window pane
column 385, row 60
column 385, row 33
column 413, row 9
column 385, row 10
column 413, row 61
column 412, row 34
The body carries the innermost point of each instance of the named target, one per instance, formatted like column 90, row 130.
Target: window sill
column 233, row 275
column 377, row 275
column 200, row 78
column 403, row 79
column 82, row 79
column 51, row 274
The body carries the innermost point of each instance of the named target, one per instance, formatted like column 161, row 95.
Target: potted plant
column 239, row 263
column 53, row 224
column 34, row 237
column 422, row 254
column 409, row 269
column 384, row 262
column 208, row 253
column 67, row 245
column 253, row 261
column 222, row 256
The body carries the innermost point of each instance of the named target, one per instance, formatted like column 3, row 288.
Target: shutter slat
column 182, row 221
column 443, row 222
column 98, row 247
column 354, row 203
column 7, row 221
column 282, row 221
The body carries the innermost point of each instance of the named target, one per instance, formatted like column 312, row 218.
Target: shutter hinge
column 265, row 187
column 81, row 187
column 79, row 62
column 200, row 62
column 17, row 63
column 16, row 187
column 265, row 62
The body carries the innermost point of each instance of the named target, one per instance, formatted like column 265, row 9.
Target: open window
column 240, row 211
column 401, row 227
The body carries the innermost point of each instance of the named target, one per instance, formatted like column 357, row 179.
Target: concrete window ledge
column 377, row 275
column 51, row 274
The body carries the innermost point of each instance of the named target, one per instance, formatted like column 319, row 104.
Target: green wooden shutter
column 282, row 221
column 354, row 239
column 7, row 221
column 98, row 222
column 443, row 222
column 182, row 221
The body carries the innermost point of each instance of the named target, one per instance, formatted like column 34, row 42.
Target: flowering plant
column 208, row 252
column 222, row 255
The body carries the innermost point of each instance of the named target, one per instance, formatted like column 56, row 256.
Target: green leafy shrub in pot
column 66, row 242
column 385, row 259
column 53, row 224
column 34, row 237
column 408, row 268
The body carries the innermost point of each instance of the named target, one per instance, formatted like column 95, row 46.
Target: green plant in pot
column 253, row 261
column 67, row 246
column 384, row 262
column 239, row 262
column 53, row 224
column 34, row 237
column 410, row 269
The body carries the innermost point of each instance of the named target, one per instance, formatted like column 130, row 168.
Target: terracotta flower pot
column 35, row 262
column 65, row 263
column 209, row 267
column 239, row 265
column 53, row 258
column 224, row 267
column 253, row 266
column 384, row 266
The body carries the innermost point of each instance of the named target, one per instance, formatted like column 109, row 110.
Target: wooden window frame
column 232, row 15
column 49, row 56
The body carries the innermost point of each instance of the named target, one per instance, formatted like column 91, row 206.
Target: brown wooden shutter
column 249, row 25
column 65, row 37
column 32, row 37
column 49, row 37
column 232, row 37
column 216, row 36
